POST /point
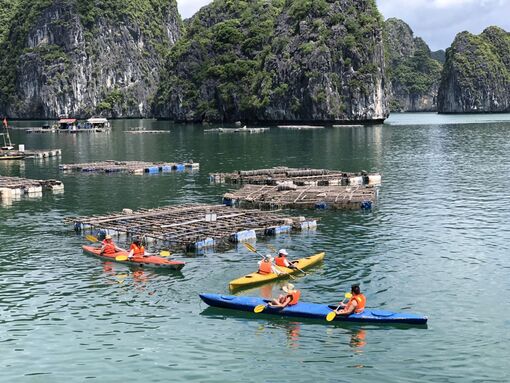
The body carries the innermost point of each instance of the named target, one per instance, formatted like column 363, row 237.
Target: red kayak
column 152, row 261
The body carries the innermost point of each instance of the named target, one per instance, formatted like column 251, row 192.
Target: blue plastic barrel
column 152, row 169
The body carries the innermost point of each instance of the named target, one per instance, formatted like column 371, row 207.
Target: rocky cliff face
column 476, row 76
column 76, row 58
column 414, row 73
column 278, row 61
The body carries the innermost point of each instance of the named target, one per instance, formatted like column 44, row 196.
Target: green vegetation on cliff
column 244, row 59
column 7, row 11
column 225, row 45
column 83, row 46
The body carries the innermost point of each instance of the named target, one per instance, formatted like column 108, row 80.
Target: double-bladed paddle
column 332, row 314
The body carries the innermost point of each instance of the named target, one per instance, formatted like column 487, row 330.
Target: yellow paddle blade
column 259, row 308
column 121, row 258
column 271, row 248
column 348, row 295
column 91, row 238
column 250, row 247
column 164, row 253
column 331, row 316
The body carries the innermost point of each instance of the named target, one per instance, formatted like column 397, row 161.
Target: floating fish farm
column 135, row 167
column 299, row 177
column 15, row 187
column 302, row 197
column 191, row 227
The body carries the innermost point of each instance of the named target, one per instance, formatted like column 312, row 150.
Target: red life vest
column 295, row 295
column 281, row 261
column 137, row 251
column 109, row 247
column 360, row 300
column 265, row 268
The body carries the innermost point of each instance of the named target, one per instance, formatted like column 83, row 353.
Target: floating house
column 97, row 123
column 67, row 124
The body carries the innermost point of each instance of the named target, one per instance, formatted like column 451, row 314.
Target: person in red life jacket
column 266, row 266
column 282, row 261
column 136, row 249
column 109, row 247
column 355, row 305
column 290, row 298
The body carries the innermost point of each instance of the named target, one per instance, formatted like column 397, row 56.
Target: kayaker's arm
column 279, row 303
column 349, row 309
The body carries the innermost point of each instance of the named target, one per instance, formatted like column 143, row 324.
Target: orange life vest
column 137, row 251
column 295, row 295
column 265, row 268
column 281, row 261
column 109, row 247
column 361, row 300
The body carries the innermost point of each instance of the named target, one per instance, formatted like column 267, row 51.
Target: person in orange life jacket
column 282, row 261
column 266, row 266
column 136, row 249
column 108, row 246
column 355, row 305
column 290, row 298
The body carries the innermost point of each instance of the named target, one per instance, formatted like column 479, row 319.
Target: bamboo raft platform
column 349, row 126
column 301, row 127
column 299, row 177
column 147, row 131
column 302, row 197
column 14, row 187
column 244, row 129
column 190, row 227
column 134, row 167
column 43, row 153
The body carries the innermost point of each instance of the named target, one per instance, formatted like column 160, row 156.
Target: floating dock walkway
column 15, row 187
column 191, row 227
column 299, row 177
column 135, row 167
column 24, row 154
column 301, row 127
column 302, row 197
column 68, row 131
column 147, row 131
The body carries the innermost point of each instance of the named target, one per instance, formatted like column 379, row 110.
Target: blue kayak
column 310, row 310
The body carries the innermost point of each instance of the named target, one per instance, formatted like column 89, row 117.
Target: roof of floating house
column 67, row 121
column 95, row 120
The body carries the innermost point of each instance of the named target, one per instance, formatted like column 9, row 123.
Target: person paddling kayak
column 355, row 305
column 136, row 249
column 282, row 261
column 290, row 298
column 266, row 266
column 108, row 246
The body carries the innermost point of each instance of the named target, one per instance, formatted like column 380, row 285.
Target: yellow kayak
column 256, row 278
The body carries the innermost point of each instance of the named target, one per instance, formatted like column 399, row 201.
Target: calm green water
column 437, row 244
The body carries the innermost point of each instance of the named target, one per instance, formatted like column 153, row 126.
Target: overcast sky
column 436, row 21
